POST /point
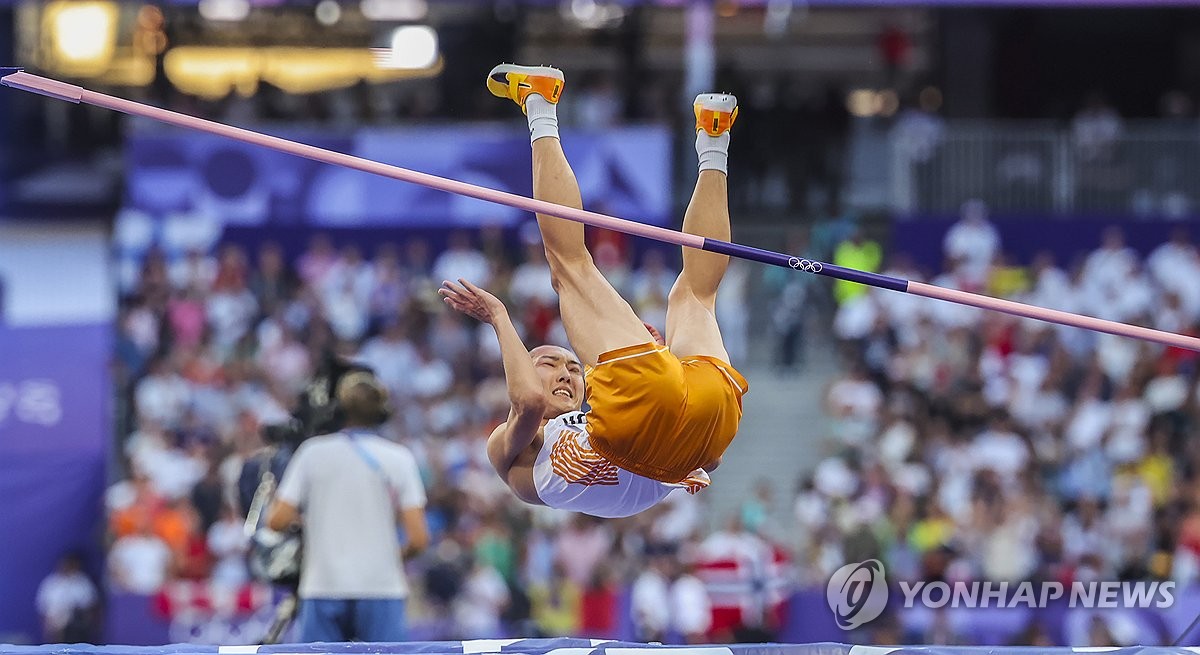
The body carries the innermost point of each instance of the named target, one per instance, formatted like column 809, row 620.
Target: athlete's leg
column 596, row 318
column 691, row 308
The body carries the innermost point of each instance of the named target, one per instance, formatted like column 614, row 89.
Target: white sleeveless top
column 569, row 475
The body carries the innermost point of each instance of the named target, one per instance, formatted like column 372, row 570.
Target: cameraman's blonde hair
column 363, row 398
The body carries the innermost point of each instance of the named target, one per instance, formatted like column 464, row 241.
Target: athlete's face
column 562, row 377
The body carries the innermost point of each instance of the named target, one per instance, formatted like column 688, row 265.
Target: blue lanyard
column 371, row 461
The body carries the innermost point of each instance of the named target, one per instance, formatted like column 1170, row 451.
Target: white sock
column 543, row 117
column 713, row 151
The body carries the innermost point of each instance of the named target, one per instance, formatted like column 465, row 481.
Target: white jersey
column 570, row 475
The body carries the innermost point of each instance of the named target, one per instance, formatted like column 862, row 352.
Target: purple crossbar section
column 806, row 265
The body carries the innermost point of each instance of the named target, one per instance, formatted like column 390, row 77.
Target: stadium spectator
column 918, row 130
column 598, row 606
column 651, row 285
column 67, row 601
column 228, row 544
column 140, row 562
column 272, row 281
column 650, row 603
column 691, row 609
column 163, row 396
column 855, row 403
column 582, row 545
column 482, row 601
column 599, row 104
column 196, row 270
column 531, row 280
column 1096, row 128
column 791, row 310
column 392, row 356
column 748, row 579
column 1175, row 266
column 389, row 291
column 556, row 605
column 858, row 252
column 973, row 242
column 462, row 260
column 895, row 47
column 732, row 316
column 316, row 263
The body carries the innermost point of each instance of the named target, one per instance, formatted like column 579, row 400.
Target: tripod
column 284, row 614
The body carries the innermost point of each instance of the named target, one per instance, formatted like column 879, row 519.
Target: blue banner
column 56, row 343
column 1023, row 237
column 625, row 172
column 54, row 422
column 54, row 390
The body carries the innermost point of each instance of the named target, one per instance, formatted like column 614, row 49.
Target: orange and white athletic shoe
column 715, row 112
column 517, row 82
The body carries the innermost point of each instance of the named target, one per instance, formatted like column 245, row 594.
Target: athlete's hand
column 472, row 301
column 658, row 337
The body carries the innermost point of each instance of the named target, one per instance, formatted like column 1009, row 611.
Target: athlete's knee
column 684, row 291
column 567, row 270
column 558, row 283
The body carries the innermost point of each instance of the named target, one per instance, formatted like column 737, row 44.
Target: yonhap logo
column 857, row 593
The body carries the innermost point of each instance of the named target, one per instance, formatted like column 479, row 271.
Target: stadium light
column 412, row 47
column 328, row 12
column 777, row 18
column 593, row 14
column 887, row 103
column 83, row 35
column 862, row 102
column 394, row 10
column 224, row 10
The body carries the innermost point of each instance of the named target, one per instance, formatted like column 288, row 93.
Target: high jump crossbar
column 18, row 79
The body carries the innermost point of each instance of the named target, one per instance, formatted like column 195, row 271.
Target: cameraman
column 354, row 489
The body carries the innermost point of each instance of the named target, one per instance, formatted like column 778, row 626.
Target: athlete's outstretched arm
column 525, row 390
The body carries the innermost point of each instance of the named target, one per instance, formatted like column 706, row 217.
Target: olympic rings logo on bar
column 805, row 265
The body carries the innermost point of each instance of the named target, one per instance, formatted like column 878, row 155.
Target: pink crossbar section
column 1054, row 316
column 72, row 93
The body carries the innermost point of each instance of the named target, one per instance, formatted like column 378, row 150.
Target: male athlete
column 659, row 415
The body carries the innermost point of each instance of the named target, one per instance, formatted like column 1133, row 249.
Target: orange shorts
column 661, row 417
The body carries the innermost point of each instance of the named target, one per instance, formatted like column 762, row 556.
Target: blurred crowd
column 975, row 445
column 968, row 445
column 212, row 347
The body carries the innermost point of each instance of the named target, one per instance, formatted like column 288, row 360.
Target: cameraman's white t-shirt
column 351, row 549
